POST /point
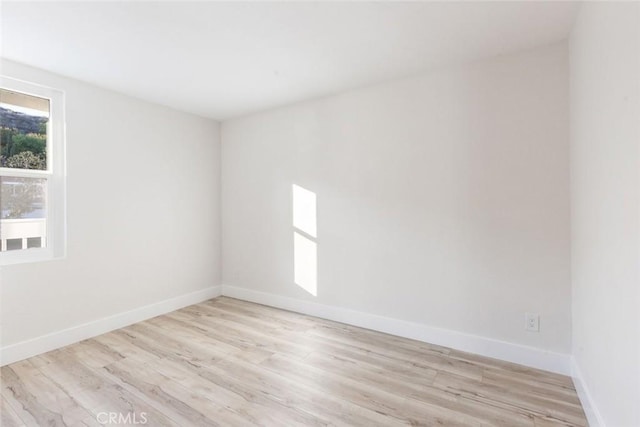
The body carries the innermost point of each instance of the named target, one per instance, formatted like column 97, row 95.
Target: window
column 32, row 172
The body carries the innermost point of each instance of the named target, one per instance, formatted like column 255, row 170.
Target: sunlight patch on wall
column 304, row 210
column 305, row 263
column 305, row 248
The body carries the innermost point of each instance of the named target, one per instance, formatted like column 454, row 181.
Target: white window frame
column 55, row 174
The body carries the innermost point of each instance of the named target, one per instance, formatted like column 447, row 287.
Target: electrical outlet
column 532, row 322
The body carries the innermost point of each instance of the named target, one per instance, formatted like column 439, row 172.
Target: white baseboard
column 590, row 409
column 33, row 347
column 516, row 353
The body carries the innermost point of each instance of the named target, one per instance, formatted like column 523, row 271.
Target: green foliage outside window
column 27, row 160
column 15, row 143
column 33, row 142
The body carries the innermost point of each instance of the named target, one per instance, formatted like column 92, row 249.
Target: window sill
column 26, row 256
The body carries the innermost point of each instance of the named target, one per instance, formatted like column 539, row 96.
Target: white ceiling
column 223, row 60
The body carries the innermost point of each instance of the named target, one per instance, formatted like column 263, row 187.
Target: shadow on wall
column 305, row 246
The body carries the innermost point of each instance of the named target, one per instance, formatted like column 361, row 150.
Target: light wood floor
column 228, row 362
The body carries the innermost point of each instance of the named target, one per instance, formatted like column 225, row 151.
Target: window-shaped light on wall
column 305, row 265
column 304, row 210
column 305, row 247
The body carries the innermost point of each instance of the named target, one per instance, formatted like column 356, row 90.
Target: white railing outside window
column 27, row 233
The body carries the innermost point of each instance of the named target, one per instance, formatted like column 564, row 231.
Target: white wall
column 143, row 213
column 442, row 199
column 605, row 206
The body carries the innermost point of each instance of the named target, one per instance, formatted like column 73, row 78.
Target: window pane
column 34, row 242
column 13, row 244
column 23, row 130
column 23, row 212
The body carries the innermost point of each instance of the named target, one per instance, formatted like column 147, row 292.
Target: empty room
column 323, row 213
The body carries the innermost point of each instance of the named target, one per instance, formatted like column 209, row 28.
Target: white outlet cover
column 532, row 322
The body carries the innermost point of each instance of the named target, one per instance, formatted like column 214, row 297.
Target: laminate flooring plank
column 396, row 407
column 510, row 398
column 94, row 392
column 8, row 416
